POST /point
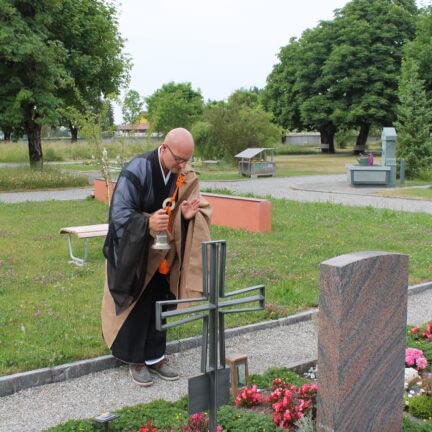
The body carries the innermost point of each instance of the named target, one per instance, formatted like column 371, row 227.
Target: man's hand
column 190, row 208
column 158, row 221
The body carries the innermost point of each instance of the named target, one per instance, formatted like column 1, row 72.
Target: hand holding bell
column 160, row 223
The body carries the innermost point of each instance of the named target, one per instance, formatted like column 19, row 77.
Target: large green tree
column 343, row 73
column 414, row 121
column 56, row 57
column 230, row 127
column 174, row 105
column 420, row 50
column 363, row 69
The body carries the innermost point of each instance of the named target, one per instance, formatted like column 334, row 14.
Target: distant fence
column 314, row 138
column 303, row 138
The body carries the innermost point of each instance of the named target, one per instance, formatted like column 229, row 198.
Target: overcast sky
column 217, row 46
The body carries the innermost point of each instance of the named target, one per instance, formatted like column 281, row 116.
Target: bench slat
column 86, row 231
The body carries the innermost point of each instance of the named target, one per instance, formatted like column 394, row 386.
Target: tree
column 98, row 69
column 174, row 105
column 232, row 127
column 343, row 73
column 132, row 107
column 47, row 66
column 419, row 49
column 280, row 95
column 363, row 68
column 414, row 122
column 316, row 103
column 250, row 98
column 295, row 92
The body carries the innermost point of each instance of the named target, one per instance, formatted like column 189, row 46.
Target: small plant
column 198, row 423
column 148, row 427
column 415, row 358
column 274, row 311
column 421, row 407
column 249, row 397
column 290, row 403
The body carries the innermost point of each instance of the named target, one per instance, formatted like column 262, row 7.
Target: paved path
column 45, row 406
column 322, row 188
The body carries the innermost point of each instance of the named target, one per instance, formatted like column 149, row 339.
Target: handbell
column 161, row 241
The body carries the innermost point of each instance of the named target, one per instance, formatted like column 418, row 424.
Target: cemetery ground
column 50, row 309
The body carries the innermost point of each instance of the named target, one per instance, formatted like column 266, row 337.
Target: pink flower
column 415, row 330
column 410, row 360
column 421, row 363
column 415, row 358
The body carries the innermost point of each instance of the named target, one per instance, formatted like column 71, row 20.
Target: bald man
column 137, row 276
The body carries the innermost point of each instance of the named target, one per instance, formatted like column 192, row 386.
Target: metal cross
column 211, row 389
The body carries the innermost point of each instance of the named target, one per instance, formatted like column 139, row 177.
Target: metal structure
column 258, row 161
column 211, row 389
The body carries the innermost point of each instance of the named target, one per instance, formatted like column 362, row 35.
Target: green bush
column 421, row 407
column 234, row 420
column 265, row 380
column 411, row 425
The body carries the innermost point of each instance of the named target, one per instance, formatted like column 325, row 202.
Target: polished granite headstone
column 361, row 342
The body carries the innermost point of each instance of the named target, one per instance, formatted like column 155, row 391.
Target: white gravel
column 42, row 407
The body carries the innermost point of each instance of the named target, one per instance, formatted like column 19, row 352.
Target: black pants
column 138, row 340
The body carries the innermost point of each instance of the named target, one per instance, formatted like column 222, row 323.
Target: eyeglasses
column 178, row 159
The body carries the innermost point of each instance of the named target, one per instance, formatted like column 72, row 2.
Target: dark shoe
column 140, row 375
column 164, row 370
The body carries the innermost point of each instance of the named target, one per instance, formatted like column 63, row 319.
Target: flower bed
column 277, row 400
column 418, row 375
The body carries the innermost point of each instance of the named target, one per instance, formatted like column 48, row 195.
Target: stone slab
column 361, row 342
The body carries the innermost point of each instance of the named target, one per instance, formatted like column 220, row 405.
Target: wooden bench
column 83, row 232
column 324, row 148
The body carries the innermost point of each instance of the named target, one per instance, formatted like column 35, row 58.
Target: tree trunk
column 327, row 141
column 74, row 134
column 362, row 137
column 7, row 134
column 34, row 144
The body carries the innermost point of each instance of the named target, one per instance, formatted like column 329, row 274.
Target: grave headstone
column 361, row 342
column 388, row 142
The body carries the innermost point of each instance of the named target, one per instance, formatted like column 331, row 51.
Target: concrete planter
column 251, row 214
column 368, row 175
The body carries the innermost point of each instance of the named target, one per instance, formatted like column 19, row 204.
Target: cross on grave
column 211, row 389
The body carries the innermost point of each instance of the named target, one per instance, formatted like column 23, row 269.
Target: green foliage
column 412, row 425
column 414, row 143
column 234, row 420
column 20, row 179
column 132, row 107
column 419, row 48
column 230, row 128
column 250, row 98
column 421, row 407
column 340, row 74
column 265, row 380
column 51, row 57
column 174, row 105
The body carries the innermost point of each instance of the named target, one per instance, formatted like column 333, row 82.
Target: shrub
column 234, row 420
column 421, row 407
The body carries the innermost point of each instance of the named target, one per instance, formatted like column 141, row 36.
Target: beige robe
column 186, row 280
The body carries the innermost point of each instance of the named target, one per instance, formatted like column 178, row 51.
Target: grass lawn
column 51, row 309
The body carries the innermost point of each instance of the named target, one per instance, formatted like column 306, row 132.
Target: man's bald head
column 181, row 142
column 177, row 149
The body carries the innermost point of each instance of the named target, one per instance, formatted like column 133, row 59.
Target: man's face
column 174, row 159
